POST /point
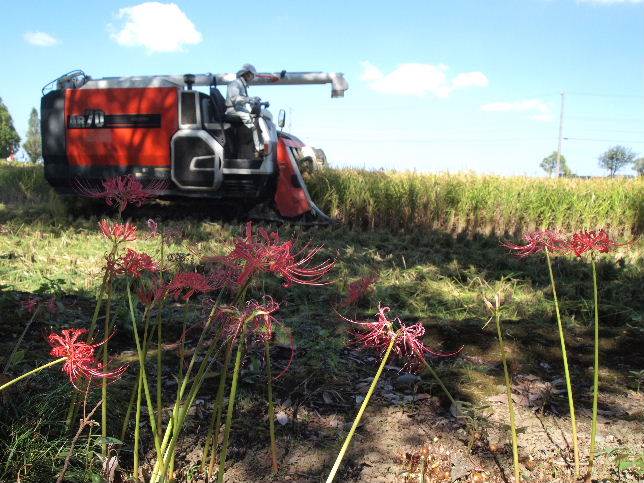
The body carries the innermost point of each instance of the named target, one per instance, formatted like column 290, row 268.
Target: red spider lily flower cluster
column 538, row 241
column 32, row 303
column 80, row 362
column 118, row 232
column 260, row 323
column 151, row 292
column 358, row 289
column 267, row 253
column 408, row 346
column 133, row 263
column 225, row 277
column 123, row 190
column 579, row 243
column 585, row 241
column 191, row 282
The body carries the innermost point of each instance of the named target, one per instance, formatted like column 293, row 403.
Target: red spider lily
column 585, row 241
column 80, row 362
column 31, row 304
column 225, row 277
column 133, row 263
column 267, row 253
column 52, row 305
column 190, row 281
column 358, row 289
column 122, row 190
column 408, row 346
column 260, row 323
column 118, row 232
column 152, row 292
column 537, row 241
column 378, row 334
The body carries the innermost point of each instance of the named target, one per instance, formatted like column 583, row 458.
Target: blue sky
column 434, row 85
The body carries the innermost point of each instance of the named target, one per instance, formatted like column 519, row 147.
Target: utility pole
column 560, row 136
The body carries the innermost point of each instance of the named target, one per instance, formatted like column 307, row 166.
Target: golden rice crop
column 477, row 203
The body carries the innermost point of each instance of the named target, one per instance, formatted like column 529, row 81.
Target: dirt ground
column 404, row 423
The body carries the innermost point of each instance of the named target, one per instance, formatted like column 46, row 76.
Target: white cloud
column 609, row 2
column 470, row 79
column 159, row 27
column 41, row 39
column 419, row 79
column 538, row 109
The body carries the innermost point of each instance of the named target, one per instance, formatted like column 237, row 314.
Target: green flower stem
column 159, row 367
column 356, row 421
column 571, row 404
column 173, row 430
column 137, row 422
column 182, row 344
column 146, row 388
column 33, row 371
column 271, row 405
column 440, row 383
column 593, row 430
column 215, row 420
column 106, row 332
column 139, row 390
column 231, row 404
column 159, row 320
column 128, row 412
column 73, row 404
column 180, row 413
column 508, row 388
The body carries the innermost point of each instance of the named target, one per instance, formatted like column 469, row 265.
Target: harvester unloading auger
column 160, row 128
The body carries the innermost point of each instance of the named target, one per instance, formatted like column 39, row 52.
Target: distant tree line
column 10, row 140
column 612, row 160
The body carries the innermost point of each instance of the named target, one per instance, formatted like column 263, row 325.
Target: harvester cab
column 163, row 128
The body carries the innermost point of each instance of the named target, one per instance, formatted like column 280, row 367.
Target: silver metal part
column 338, row 83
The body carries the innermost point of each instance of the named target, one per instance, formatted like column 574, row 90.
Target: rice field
column 409, row 201
column 473, row 203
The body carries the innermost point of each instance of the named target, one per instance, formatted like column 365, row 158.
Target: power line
column 607, row 119
column 592, row 94
column 605, row 140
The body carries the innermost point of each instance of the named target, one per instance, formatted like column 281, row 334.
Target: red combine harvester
column 160, row 128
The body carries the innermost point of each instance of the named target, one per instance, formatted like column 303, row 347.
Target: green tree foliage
column 616, row 158
column 549, row 165
column 638, row 166
column 33, row 144
column 9, row 139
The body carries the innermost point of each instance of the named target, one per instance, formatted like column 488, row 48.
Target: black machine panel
column 185, row 149
column 52, row 127
column 188, row 108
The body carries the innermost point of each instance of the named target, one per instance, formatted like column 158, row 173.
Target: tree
column 549, row 165
column 616, row 158
column 9, row 139
column 33, row 144
column 638, row 166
